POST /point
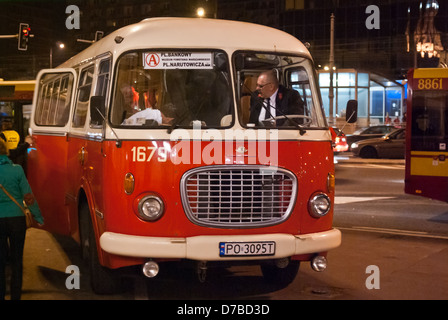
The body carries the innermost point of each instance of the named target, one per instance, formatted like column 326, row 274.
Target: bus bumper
column 206, row 248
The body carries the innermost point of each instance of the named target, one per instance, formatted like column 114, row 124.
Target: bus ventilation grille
column 238, row 196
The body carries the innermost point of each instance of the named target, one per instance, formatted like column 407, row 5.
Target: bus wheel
column 280, row 275
column 369, row 153
column 102, row 280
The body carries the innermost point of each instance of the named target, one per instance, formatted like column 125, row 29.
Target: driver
column 273, row 100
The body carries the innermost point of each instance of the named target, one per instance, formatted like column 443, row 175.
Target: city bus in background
column 15, row 102
column 144, row 152
column 427, row 133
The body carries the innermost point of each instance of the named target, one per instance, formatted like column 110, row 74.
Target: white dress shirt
column 272, row 108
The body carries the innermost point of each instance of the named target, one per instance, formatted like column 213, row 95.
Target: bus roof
column 192, row 33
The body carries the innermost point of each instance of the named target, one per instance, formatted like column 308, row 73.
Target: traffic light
column 24, row 34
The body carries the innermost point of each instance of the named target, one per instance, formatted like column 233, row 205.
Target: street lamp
column 61, row 46
column 200, row 12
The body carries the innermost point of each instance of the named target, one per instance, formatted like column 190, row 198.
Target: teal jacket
column 12, row 177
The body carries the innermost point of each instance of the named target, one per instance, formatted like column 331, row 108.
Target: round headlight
column 319, row 205
column 150, row 208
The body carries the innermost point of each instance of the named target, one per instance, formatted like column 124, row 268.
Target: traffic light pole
column 12, row 36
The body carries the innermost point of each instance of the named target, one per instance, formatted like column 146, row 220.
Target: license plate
column 241, row 249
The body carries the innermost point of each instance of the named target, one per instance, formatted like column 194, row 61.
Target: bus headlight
column 151, row 207
column 319, row 205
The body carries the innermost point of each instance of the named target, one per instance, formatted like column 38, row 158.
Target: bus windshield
column 172, row 89
column 429, row 120
column 277, row 90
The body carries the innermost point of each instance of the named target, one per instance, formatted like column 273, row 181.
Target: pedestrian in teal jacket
column 13, row 222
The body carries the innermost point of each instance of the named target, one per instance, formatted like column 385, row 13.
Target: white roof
column 193, row 33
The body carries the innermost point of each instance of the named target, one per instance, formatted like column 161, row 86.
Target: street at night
column 405, row 236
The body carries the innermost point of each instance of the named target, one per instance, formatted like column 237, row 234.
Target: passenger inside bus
column 134, row 112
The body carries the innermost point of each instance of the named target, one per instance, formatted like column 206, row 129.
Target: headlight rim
column 312, row 207
column 140, row 201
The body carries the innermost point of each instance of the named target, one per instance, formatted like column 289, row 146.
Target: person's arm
column 28, row 196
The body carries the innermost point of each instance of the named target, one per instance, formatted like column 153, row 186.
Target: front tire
column 102, row 280
column 368, row 153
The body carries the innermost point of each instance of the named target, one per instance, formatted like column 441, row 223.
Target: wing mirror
column 351, row 113
column 97, row 109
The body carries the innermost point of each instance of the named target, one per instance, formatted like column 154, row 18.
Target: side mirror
column 351, row 113
column 97, row 109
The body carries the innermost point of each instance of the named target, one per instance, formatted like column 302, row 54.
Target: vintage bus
column 144, row 151
column 427, row 133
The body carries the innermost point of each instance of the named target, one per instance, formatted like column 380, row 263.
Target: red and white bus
column 144, row 152
column 427, row 133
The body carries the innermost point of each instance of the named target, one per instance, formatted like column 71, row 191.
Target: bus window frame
column 114, row 80
column 106, row 88
column 36, row 99
column 76, row 107
column 284, row 79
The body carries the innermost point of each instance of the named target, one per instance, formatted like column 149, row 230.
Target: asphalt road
column 370, row 193
column 403, row 238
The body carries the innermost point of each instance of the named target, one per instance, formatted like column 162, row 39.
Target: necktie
column 268, row 109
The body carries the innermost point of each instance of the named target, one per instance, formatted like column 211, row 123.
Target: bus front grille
column 238, row 196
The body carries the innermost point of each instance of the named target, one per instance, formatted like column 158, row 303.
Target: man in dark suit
column 273, row 100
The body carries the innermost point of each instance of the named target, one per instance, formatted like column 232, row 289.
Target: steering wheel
column 307, row 119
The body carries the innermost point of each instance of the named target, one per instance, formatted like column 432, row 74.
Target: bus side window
column 102, row 85
column 82, row 100
column 53, row 105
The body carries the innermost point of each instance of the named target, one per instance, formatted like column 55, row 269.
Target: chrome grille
column 238, row 196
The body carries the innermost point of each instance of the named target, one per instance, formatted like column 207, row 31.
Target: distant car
column 339, row 140
column 392, row 145
column 369, row 133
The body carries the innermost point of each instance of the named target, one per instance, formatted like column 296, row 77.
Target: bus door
column 85, row 156
column 49, row 127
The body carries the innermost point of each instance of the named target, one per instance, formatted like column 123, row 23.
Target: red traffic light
column 24, row 34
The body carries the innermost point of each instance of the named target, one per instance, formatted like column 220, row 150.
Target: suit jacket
column 288, row 101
